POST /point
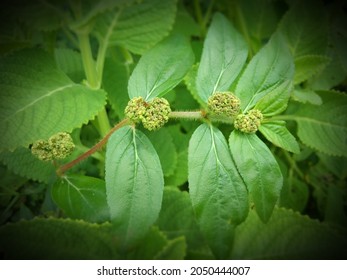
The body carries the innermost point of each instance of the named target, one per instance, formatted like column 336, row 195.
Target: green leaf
column 115, row 83
column 134, row 183
column 306, row 95
column 136, row 27
column 288, row 235
column 308, row 65
column 190, row 82
column 269, row 69
column 70, row 62
column 277, row 133
column 305, row 28
column 336, row 165
column 175, row 250
column 218, row 194
column 276, row 101
column 57, row 239
column 177, row 218
column 161, row 68
column 81, row 197
column 223, row 56
column 38, row 100
column 185, row 23
column 294, row 194
column 162, row 142
column 259, row 170
column 180, row 174
column 324, row 127
column 22, row 162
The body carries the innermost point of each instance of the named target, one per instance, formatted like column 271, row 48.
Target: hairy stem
column 62, row 169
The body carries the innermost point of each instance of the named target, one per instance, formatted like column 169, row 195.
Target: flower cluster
column 58, row 146
column 153, row 114
column 249, row 122
column 224, row 104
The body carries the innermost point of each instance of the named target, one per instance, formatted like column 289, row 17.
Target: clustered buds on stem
column 58, row 146
column 224, row 104
column 153, row 114
column 249, row 122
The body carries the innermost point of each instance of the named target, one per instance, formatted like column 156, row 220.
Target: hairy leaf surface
column 161, row 68
column 81, row 197
column 134, row 183
column 223, row 57
column 324, row 127
column 271, row 67
column 218, row 194
column 259, row 170
column 38, row 100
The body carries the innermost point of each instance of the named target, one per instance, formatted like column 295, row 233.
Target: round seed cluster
column 153, row 114
column 58, row 146
column 249, row 122
column 224, row 104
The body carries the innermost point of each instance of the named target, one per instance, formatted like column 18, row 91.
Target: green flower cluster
column 58, row 146
column 224, row 104
column 153, row 114
column 249, row 122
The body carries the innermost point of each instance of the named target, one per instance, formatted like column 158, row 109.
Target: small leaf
column 180, row 174
column 269, row 68
column 134, row 183
column 136, row 27
column 276, row 101
column 324, row 127
column 190, row 82
column 259, row 170
column 288, row 235
column 161, row 68
column 305, row 28
column 277, row 133
column 308, row 65
column 223, row 56
column 38, row 100
column 306, row 95
column 81, row 197
column 294, row 194
column 58, row 239
column 218, row 194
column 22, row 162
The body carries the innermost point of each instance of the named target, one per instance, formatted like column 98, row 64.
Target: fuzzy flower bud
column 42, row 150
column 224, row 104
column 135, row 109
column 157, row 114
column 58, row 146
column 249, row 122
column 61, row 145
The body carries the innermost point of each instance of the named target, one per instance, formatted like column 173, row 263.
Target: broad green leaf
column 134, row 183
column 305, row 28
column 259, row 170
column 136, row 27
column 277, row 133
column 218, row 194
column 162, row 142
column 306, row 96
column 70, row 62
column 81, row 197
column 38, row 100
column 288, row 235
column 161, row 68
column 276, row 101
column 223, row 56
column 22, row 162
column 57, row 239
column 324, row 127
column 271, row 67
column 115, row 83
column 185, row 23
column 190, row 82
column 308, row 65
column 177, row 218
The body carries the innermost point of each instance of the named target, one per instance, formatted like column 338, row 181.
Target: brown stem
column 62, row 169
